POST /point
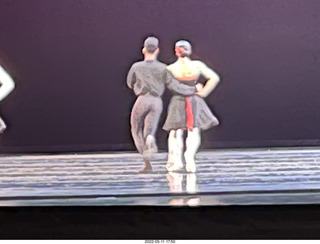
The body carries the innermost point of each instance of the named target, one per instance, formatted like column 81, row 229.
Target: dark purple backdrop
column 70, row 58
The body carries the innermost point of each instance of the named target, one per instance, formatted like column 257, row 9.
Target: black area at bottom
column 245, row 222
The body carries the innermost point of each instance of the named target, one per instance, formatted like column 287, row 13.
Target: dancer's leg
column 177, row 149
column 193, row 142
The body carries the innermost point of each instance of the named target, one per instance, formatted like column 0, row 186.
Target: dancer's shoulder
column 172, row 66
column 199, row 63
column 161, row 64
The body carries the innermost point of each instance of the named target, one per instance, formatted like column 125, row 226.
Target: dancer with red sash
column 189, row 113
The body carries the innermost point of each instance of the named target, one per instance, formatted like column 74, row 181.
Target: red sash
column 189, row 115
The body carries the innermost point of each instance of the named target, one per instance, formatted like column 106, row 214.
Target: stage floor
column 224, row 177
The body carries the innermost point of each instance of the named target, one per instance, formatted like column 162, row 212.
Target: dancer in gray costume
column 148, row 79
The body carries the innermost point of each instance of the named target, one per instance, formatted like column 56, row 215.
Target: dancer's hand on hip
column 199, row 87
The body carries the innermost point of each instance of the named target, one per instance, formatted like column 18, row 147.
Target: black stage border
column 150, row 222
column 150, row 195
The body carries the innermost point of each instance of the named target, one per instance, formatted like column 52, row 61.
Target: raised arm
column 176, row 86
column 131, row 77
column 7, row 84
column 212, row 79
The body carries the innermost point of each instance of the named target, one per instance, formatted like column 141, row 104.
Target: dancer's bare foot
column 147, row 167
column 145, row 170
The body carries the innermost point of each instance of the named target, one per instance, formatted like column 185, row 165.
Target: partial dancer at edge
column 7, row 85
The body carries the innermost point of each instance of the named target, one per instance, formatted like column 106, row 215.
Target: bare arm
column 178, row 87
column 212, row 79
column 7, row 84
column 131, row 78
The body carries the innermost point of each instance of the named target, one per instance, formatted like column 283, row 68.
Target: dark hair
column 151, row 49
